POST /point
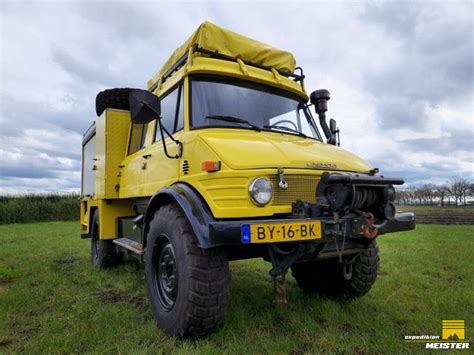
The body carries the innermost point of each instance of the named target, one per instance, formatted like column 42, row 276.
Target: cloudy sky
column 400, row 75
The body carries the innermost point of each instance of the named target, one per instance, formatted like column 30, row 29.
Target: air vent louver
column 185, row 167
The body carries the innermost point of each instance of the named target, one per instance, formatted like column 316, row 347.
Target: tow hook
column 347, row 271
column 347, row 267
column 368, row 229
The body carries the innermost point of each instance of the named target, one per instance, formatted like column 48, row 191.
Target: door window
column 171, row 112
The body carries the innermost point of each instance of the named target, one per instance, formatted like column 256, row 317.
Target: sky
column 400, row 73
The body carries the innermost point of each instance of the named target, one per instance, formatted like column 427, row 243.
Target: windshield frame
column 254, row 86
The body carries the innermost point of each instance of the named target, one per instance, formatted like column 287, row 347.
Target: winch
column 344, row 193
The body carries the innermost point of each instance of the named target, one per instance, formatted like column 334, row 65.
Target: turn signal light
column 210, row 166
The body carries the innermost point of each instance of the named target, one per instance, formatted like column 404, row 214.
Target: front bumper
column 229, row 232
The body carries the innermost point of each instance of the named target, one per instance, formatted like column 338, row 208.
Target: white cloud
column 400, row 75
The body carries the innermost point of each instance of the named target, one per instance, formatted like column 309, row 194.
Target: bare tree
column 429, row 192
column 402, row 197
column 442, row 193
column 458, row 188
column 464, row 186
column 418, row 194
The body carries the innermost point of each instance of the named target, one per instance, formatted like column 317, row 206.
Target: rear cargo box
column 104, row 148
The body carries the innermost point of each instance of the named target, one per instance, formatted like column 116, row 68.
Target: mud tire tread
column 325, row 277
column 208, row 279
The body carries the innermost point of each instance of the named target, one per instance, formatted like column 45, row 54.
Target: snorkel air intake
column 319, row 99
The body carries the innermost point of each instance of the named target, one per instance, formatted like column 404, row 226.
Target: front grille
column 300, row 187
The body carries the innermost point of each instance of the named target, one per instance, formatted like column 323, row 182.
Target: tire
column 188, row 286
column 112, row 98
column 103, row 252
column 326, row 276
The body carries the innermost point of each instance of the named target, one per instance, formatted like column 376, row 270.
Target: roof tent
column 212, row 40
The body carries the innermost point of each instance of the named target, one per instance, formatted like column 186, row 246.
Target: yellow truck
column 221, row 159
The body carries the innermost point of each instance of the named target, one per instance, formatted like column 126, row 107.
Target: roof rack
column 183, row 59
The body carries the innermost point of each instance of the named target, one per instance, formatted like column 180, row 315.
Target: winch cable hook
column 368, row 229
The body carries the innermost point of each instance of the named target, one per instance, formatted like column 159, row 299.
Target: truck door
column 133, row 168
column 160, row 170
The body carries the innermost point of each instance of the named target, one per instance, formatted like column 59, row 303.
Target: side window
column 170, row 110
column 137, row 137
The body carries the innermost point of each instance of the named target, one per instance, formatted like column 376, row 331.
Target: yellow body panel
column 109, row 211
column 149, row 169
column 249, row 149
column 112, row 131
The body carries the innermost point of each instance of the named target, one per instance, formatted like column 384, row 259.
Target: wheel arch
column 190, row 202
column 92, row 212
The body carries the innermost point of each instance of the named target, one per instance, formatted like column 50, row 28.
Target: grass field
column 52, row 300
column 441, row 215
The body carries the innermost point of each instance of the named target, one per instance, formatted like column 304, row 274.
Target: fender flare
column 191, row 203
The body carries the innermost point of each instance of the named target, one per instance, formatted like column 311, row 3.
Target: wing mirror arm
column 146, row 107
column 165, row 149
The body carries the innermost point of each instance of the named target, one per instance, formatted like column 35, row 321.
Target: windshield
column 227, row 103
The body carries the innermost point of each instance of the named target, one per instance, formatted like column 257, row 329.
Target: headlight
column 261, row 191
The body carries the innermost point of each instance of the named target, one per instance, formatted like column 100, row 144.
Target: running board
column 129, row 244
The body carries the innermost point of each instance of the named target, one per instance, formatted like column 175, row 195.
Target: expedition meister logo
column 453, row 334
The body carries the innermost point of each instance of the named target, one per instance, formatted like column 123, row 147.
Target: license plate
column 280, row 232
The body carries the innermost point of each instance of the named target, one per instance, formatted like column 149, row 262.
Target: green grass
column 39, row 208
column 52, row 300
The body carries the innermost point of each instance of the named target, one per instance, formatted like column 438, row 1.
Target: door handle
column 146, row 156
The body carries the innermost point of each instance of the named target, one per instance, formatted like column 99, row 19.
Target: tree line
column 456, row 191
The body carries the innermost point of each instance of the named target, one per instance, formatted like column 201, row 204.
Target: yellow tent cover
column 214, row 38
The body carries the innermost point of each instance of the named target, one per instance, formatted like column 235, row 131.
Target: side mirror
column 144, row 106
column 334, row 131
column 333, row 126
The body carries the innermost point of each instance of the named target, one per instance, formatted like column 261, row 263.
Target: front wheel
column 327, row 278
column 188, row 286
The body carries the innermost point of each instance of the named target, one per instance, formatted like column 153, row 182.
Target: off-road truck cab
column 222, row 159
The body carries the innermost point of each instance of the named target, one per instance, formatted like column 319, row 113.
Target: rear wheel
column 112, row 98
column 103, row 252
column 188, row 286
column 327, row 278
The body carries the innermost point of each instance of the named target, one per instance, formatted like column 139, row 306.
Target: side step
column 129, row 244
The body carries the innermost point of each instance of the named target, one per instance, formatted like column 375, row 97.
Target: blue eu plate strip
column 246, row 233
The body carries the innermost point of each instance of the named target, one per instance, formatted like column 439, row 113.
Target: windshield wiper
column 233, row 119
column 288, row 129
